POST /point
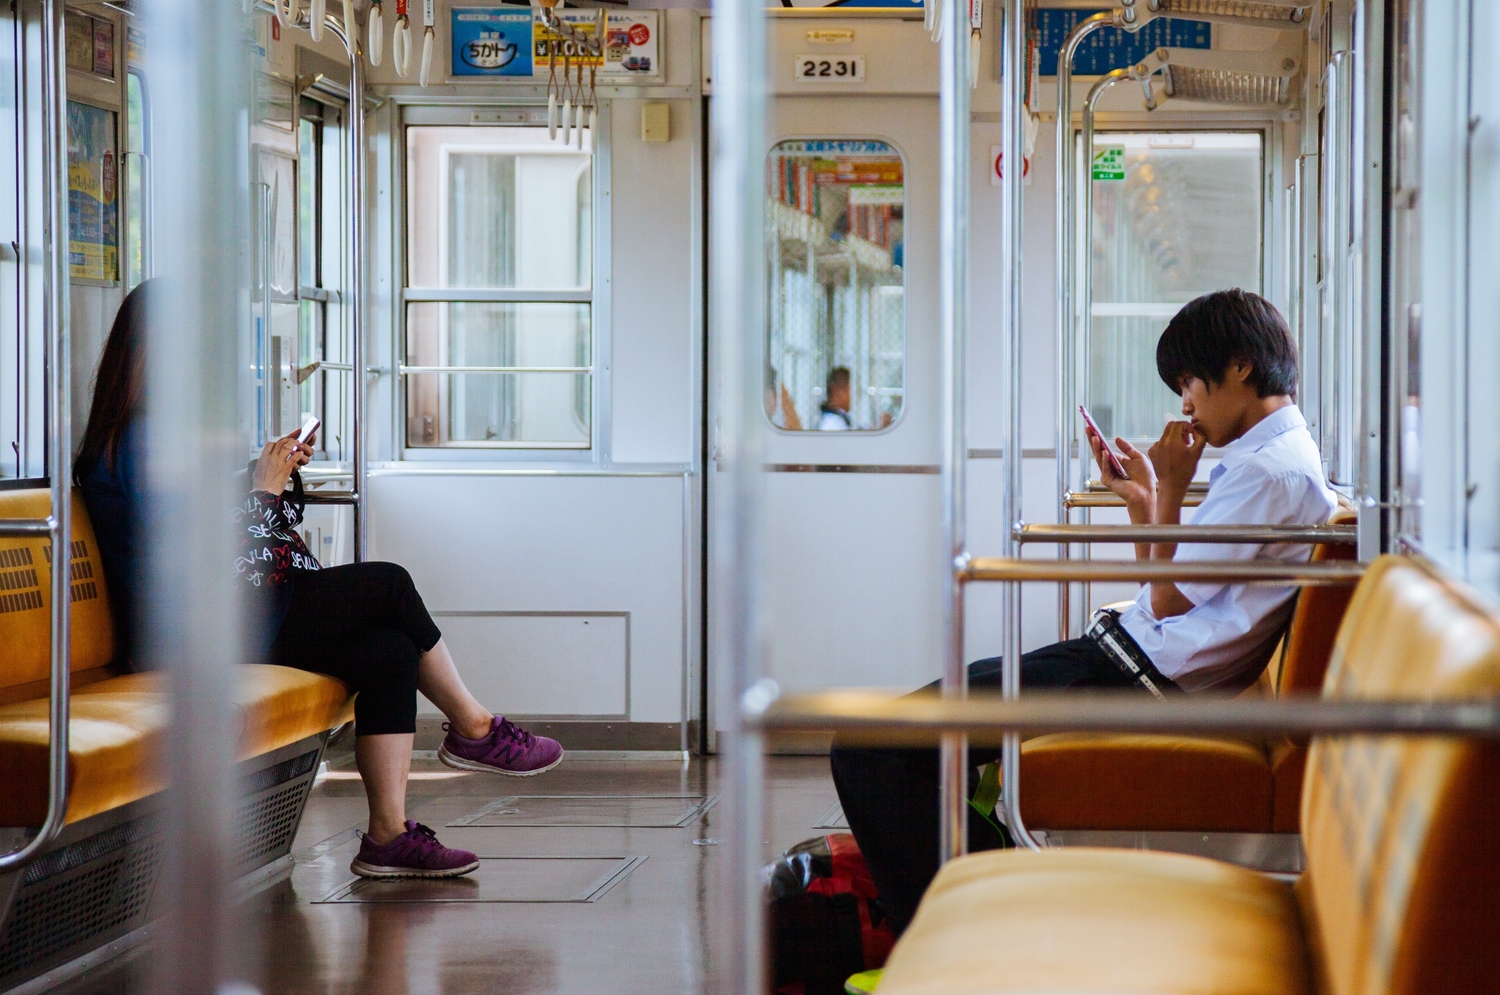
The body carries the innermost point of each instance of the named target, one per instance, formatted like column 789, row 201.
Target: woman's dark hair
column 119, row 383
column 1216, row 329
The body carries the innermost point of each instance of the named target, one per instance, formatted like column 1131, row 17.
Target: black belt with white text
column 1123, row 652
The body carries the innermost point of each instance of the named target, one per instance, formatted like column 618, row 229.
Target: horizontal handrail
column 1194, row 487
column 1321, row 574
column 330, row 497
column 1108, row 499
column 764, row 709
column 14, row 528
column 1082, row 534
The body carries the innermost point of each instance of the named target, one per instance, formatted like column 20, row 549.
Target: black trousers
column 890, row 796
column 365, row 624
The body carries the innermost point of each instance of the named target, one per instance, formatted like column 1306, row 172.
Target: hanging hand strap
column 429, row 18
column 375, row 33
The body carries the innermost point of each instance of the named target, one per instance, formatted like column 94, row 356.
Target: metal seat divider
column 346, row 30
column 58, row 526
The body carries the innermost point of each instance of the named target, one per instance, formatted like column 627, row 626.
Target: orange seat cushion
column 1088, row 920
column 117, row 736
column 279, row 706
column 1146, row 782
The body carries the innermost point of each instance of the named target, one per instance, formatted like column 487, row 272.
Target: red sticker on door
column 639, row 34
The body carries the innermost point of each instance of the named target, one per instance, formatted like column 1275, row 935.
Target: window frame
column 1273, row 240
column 805, row 432
column 511, row 114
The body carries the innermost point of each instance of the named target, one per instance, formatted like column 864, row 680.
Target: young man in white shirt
column 1231, row 358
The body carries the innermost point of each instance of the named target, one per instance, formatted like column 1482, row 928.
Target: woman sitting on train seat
column 363, row 623
column 1231, row 358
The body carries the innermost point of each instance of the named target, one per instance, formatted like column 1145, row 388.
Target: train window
column 836, row 314
column 136, row 179
column 1176, row 215
column 322, row 339
column 499, row 302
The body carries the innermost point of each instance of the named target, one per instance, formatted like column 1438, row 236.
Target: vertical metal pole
column 59, row 419
column 59, row 325
column 1066, row 282
column 953, row 294
column 737, row 300
column 198, row 77
column 1012, row 44
column 359, row 376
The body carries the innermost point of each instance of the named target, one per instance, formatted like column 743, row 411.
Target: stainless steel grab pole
column 1298, row 534
column 1066, row 282
column 1012, row 117
column 917, row 717
column 737, row 299
column 953, row 289
column 356, row 302
column 1012, row 570
column 59, row 527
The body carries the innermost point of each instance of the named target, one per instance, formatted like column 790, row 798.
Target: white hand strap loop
column 401, row 47
column 375, row 34
column 427, row 43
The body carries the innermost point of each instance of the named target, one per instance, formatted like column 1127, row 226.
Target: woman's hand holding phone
column 278, row 460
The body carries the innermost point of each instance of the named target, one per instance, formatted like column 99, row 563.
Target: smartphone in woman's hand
column 309, row 428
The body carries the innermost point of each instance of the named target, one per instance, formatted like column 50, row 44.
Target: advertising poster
column 630, row 43
column 93, row 208
column 488, row 41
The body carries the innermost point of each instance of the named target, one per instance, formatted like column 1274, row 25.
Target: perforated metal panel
column 79, row 895
column 272, row 807
column 1289, row 13
column 1226, row 87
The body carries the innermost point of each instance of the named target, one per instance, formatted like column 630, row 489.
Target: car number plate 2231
column 830, row 69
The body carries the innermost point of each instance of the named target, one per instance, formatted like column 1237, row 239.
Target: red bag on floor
column 826, row 922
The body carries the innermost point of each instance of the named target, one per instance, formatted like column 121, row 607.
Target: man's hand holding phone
column 1128, row 473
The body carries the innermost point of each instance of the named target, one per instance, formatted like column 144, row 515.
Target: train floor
column 598, row 877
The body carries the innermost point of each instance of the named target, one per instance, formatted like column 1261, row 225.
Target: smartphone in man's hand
column 1114, row 461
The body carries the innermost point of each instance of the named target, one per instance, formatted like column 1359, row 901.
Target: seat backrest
column 26, row 598
column 1315, row 623
column 1403, row 867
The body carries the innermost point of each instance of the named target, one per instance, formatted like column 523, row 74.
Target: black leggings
column 890, row 795
column 365, row 624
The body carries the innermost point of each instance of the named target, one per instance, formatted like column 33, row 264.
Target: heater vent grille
column 1233, row 8
column 1223, row 86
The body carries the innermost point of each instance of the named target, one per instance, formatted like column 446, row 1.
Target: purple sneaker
column 416, row 853
column 508, row 749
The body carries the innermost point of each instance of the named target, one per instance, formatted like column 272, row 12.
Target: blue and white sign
column 491, row 42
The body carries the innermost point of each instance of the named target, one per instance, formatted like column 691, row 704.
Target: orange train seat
column 1399, row 893
column 1114, row 781
column 119, row 723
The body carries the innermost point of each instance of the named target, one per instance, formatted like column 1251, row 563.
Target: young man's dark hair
column 1216, row 329
column 838, row 377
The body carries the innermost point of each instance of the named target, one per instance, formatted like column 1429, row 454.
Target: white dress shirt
column 834, row 420
column 1272, row 475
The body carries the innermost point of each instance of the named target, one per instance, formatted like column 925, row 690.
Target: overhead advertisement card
column 504, row 42
column 491, row 42
column 630, row 47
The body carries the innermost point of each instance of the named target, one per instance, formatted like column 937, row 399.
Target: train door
column 852, row 393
